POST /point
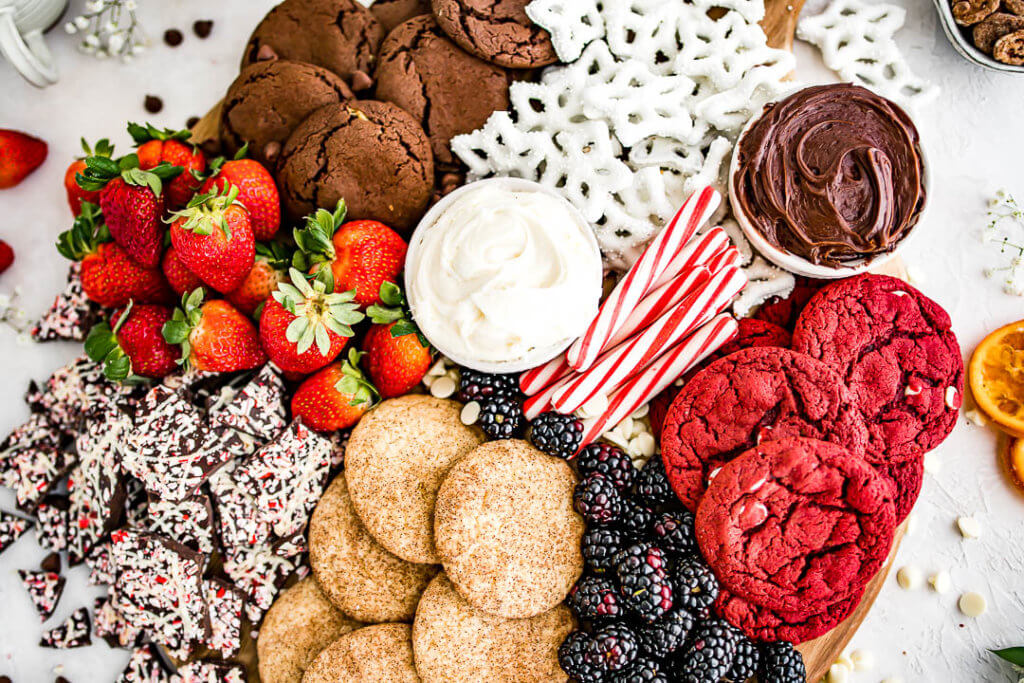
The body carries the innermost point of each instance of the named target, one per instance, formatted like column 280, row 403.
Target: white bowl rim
column 538, row 356
column 798, row 264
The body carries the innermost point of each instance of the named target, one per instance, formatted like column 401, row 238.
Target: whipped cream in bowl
column 502, row 275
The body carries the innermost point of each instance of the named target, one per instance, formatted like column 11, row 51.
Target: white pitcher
column 22, row 23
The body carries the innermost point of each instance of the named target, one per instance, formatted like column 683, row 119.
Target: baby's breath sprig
column 109, row 28
column 1006, row 228
column 14, row 316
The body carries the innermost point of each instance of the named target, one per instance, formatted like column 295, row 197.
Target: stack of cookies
column 361, row 104
column 435, row 557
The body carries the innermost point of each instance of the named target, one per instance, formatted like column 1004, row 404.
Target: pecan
column 995, row 27
column 970, row 12
column 1010, row 49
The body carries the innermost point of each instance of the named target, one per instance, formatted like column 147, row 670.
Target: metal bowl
column 963, row 45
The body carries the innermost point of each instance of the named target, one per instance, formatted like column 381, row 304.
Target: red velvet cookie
column 748, row 397
column 796, row 525
column 784, row 311
column 761, row 623
column 907, row 478
column 750, row 333
column 894, row 348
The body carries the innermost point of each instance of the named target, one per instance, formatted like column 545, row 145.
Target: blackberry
column 594, row 598
column 652, row 485
column 674, row 531
column 572, row 657
column 610, row 461
column 745, row 666
column 710, row 655
column 696, row 588
column 480, row 386
column 613, row 648
column 636, row 519
column 643, row 671
column 501, row 417
column 597, row 499
column 667, row 634
column 644, row 582
column 781, row 663
column 556, row 434
column 600, row 545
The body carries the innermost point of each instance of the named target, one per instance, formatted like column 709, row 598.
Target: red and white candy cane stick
column 532, row 381
column 696, row 252
column 541, row 401
column 639, row 390
column 630, row 357
column 726, row 257
column 643, row 276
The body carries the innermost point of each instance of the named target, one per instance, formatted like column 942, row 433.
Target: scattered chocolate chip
column 265, row 54
column 192, row 121
column 5, row 679
column 361, row 81
column 202, row 28
column 271, row 150
column 153, row 104
column 173, row 37
column 61, row 679
column 51, row 563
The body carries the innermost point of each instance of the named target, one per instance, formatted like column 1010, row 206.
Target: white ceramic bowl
column 537, row 356
column 798, row 264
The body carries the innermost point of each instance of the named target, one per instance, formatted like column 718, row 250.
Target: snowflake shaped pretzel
column 856, row 41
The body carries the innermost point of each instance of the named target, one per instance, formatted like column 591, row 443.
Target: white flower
column 70, row 27
column 130, row 5
column 110, row 27
column 138, row 49
column 5, row 300
column 115, row 42
column 24, row 339
column 92, row 40
column 81, row 23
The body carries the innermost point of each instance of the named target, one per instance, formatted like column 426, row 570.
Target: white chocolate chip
column 838, row 673
column 892, row 679
column 437, row 369
column 844, row 660
column 940, row 582
column 951, row 394
column 911, row 392
column 641, row 412
column 909, row 578
column 915, row 275
column 932, row 464
column 595, row 407
column 443, row 387
column 972, row 604
column 898, row 292
column 976, row 418
column 911, row 523
column 863, row 660
column 428, row 380
column 644, row 444
column 625, row 428
column 470, row 413
column 969, row 527
column 714, row 473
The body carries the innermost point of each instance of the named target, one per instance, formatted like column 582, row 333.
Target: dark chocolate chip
column 173, row 37
column 51, row 563
column 61, row 679
column 5, row 679
column 203, row 28
column 153, row 104
column 271, row 150
column 192, row 121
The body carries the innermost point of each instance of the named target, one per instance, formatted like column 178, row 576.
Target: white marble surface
column 975, row 136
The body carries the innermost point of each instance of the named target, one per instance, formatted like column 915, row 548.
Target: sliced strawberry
column 20, row 154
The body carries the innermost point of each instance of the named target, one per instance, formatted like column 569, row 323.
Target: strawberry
column 20, row 154
column 300, row 313
column 76, row 195
column 214, row 336
column 6, row 256
column 132, row 201
column 396, row 354
column 109, row 276
column 135, row 346
column 181, row 279
column 155, row 146
column 256, row 191
column 213, row 238
column 266, row 274
column 335, row 397
column 362, row 254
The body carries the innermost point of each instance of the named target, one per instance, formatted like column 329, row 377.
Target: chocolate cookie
column 506, row 531
column 894, row 348
column 300, row 624
column 359, row 577
column 496, row 30
column 373, row 155
column 429, row 76
column 761, row 623
column 373, row 653
column 391, row 13
column 796, row 525
column 339, row 35
column 396, row 459
column 269, row 99
column 753, row 395
column 453, row 641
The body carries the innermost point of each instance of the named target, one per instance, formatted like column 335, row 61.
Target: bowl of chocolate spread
column 829, row 181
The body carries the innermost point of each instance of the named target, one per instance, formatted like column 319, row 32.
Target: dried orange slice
column 996, row 374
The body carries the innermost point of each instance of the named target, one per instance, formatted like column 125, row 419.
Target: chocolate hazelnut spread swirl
column 831, row 173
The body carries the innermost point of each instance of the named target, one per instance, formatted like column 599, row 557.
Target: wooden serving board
column 780, row 26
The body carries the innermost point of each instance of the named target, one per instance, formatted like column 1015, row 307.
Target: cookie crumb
column 969, row 527
column 203, row 28
column 153, row 104
column 173, row 37
column 972, row 604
